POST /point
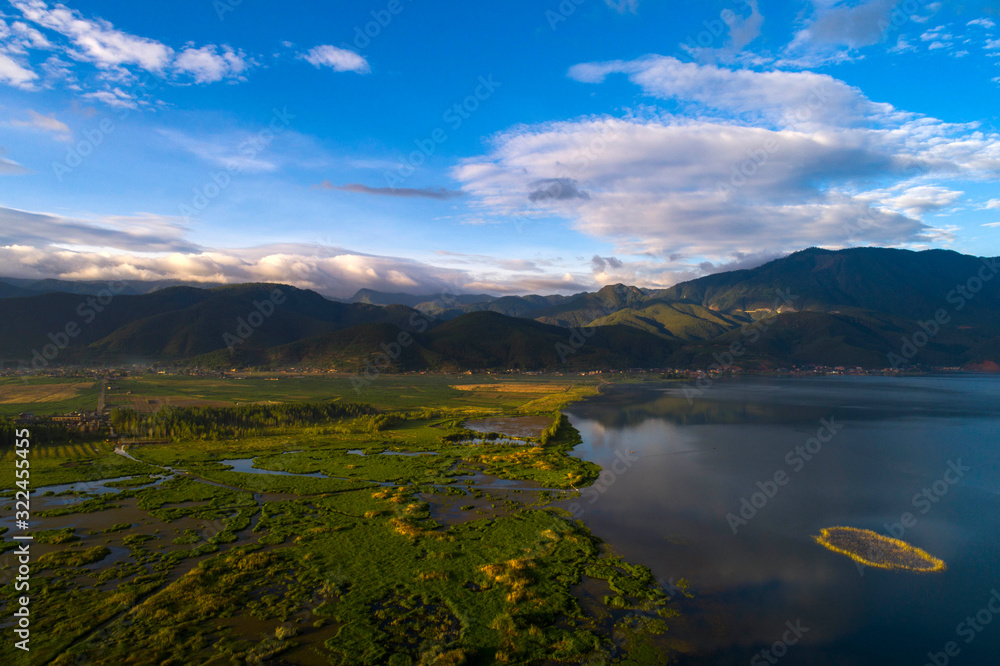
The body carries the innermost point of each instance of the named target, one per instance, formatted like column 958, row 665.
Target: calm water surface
column 684, row 466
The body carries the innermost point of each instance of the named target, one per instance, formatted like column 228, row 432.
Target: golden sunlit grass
column 515, row 575
column 874, row 550
column 13, row 394
column 511, row 387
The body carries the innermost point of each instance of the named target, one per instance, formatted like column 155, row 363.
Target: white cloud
column 674, row 188
column 341, row 60
column 331, row 271
column 902, row 46
column 992, row 204
column 622, row 6
column 211, row 63
column 843, row 24
column 109, row 62
column 742, row 31
column 567, row 284
column 141, row 233
column 10, row 167
column 15, row 74
column 778, row 98
column 983, row 23
column 231, row 151
column 51, row 124
column 114, row 97
column 153, row 247
column 716, row 180
column 914, row 201
column 936, row 34
column 97, row 40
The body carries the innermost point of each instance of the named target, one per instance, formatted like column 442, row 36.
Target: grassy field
column 151, row 392
column 385, row 391
column 374, row 558
column 45, row 395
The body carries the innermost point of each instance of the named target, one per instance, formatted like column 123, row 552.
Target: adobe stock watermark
column 922, row 502
column 379, row 362
column 902, row 14
column 455, row 116
column 715, row 29
column 796, row 459
column 94, row 137
column 791, row 637
column 753, row 332
column 219, row 181
column 223, row 7
column 381, row 19
column 748, row 168
column 675, row 588
column 577, row 339
column 757, row 158
column 622, row 463
column 958, row 298
column 925, row 500
column 87, row 311
column 562, row 12
column 853, row 230
column 247, row 326
column 565, row 185
column 968, row 629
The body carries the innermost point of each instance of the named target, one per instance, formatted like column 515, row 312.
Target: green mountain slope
column 847, row 307
column 582, row 309
column 676, row 321
column 820, row 338
column 229, row 314
column 176, row 322
column 475, row 341
column 898, row 282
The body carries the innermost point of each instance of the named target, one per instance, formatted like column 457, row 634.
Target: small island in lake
column 874, row 550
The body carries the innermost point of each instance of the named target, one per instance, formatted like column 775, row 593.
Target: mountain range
column 869, row 307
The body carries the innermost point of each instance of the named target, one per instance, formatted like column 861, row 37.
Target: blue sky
column 503, row 147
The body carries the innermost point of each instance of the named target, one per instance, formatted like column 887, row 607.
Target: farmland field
column 387, row 391
column 46, row 396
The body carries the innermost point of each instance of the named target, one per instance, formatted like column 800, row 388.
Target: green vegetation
column 350, row 564
column 243, row 421
column 676, row 321
column 73, row 558
column 64, row 535
column 54, row 464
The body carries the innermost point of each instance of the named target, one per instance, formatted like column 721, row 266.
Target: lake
column 727, row 489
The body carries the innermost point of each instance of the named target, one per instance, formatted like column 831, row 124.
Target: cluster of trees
column 46, row 433
column 549, row 433
column 245, row 420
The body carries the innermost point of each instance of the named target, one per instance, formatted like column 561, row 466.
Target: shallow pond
column 514, row 426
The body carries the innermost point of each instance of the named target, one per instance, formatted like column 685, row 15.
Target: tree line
column 241, row 421
column 46, row 433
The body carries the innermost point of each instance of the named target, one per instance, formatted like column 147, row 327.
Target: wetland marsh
column 270, row 532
